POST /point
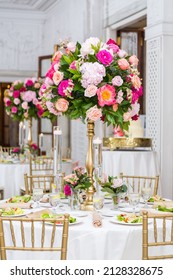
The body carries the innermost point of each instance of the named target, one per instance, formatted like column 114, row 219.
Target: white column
column 159, row 107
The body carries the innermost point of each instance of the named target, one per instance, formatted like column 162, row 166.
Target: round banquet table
column 131, row 162
column 110, row 242
column 12, row 176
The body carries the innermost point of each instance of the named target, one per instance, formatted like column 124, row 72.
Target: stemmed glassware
column 37, row 195
column 98, row 200
column 146, row 193
column 54, row 200
column 134, row 199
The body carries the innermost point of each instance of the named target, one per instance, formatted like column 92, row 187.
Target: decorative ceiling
column 29, row 5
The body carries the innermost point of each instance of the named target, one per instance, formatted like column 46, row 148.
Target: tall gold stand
column 89, row 165
column 29, row 131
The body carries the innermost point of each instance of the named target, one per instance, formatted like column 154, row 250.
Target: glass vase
column 74, row 202
column 115, row 200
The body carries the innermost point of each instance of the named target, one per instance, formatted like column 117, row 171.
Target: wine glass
column 54, row 200
column 134, row 198
column 37, row 195
column 146, row 193
column 98, row 201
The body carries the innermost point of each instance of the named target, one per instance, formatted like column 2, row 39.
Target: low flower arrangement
column 21, row 100
column 76, row 181
column 16, row 150
column 93, row 80
column 113, row 185
column 33, row 148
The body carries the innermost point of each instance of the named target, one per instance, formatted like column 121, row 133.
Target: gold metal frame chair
column 142, row 181
column 40, row 165
column 7, row 149
column 156, row 232
column 21, row 243
column 44, row 182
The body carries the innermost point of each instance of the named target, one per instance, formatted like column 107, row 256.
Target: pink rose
column 14, row 110
column 16, row 93
column 65, row 87
column 123, row 64
column 90, row 91
column 67, row 190
column 16, row 101
column 25, row 105
column 29, row 83
column 94, row 113
column 112, row 45
column 57, row 77
column 133, row 60
column 104, row 57
column 118, row 132
column 117, row 81
column 62, row 105
column 122, row 53
column 50, row 73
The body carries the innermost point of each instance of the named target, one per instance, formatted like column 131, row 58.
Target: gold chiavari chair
column 139, row 182
column 44, row 182
column 40, row 165
column 29, row 234
column 158, row 236
column 7, row 149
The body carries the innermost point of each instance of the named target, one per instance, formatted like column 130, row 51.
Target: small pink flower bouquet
column 78, row 180
column 93, row 80
column 21, row 100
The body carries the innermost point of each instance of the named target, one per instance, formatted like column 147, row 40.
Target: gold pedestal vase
column 89, row 166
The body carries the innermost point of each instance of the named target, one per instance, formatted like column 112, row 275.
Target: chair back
column 157, row 236
column 139, row 182
column 26, row 234
column 44, row 182
column 40, row 165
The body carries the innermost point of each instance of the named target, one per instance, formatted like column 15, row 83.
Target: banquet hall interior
column 95, row 80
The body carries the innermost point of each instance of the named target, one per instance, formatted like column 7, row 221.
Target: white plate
column 108, row 213
column 129, row 210
column 115, row 221
column 25, row 212
column 79, row 214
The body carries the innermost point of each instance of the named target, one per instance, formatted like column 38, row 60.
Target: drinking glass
column 54, row 200
column 98, row 201
column 134, row 199
column 146, row 193
column 37, row 195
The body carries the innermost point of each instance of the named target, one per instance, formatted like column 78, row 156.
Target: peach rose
column 136, row 82
column 115, row 107
column 57, row 77
column 133, row 60
column 94, row 113
column 61, row 105
column 90, row 91
column 123, row 64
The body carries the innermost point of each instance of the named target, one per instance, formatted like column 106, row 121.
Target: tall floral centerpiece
column 93, row 80
column 22, row 103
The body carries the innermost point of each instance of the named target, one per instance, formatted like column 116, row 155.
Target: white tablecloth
column 12, row 176
column 110, row 242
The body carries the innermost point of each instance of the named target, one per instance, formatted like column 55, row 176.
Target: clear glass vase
column 115, row 201
column 74, row 202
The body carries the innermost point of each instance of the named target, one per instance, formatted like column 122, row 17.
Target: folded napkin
column 16, row 205
column 96, row 219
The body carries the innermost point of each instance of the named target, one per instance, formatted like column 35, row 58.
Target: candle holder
column 21, row 135
column 41, row 143
column 57, row 158
column 97, row 147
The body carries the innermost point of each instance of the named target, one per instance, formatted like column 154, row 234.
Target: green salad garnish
column 164, row 209
column 16, row 199
column 57, row 216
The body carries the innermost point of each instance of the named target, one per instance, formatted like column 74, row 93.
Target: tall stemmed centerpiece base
column 89, row 166
column 29, row 131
